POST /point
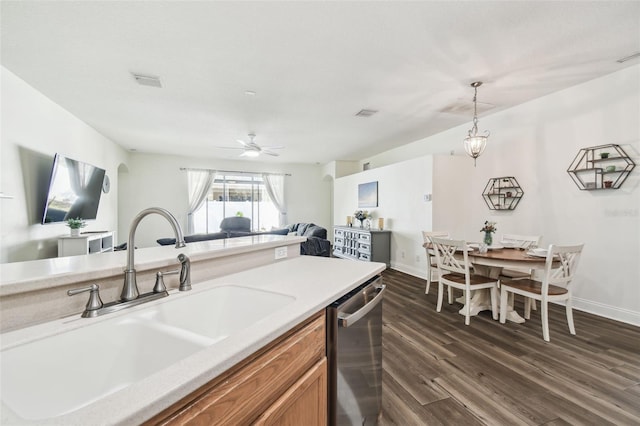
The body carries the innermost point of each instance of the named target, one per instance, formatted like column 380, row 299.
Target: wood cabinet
column 89, row 243
column 362, row 244
column 285, row 383
column 305, row 403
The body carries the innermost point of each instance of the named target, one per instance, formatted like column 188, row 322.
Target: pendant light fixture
column 474, row 143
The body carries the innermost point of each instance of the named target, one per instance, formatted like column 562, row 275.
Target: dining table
column 490, row 264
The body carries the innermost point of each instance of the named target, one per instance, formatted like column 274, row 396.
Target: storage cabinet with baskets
column 367, row 245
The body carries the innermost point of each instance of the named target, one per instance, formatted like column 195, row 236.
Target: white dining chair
column 554, row 287
column 522, row 242
column 432, row 267
column 455, row 273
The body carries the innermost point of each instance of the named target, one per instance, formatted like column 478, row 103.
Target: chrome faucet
column 185, row 272
column 185, row 276
column 130, row 287
column 130, row 295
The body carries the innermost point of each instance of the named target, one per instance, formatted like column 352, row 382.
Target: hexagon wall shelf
column 600, row 167
column 502, row 193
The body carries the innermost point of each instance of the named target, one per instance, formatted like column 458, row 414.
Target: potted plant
column 488, row 229
column 361, row 215
column 75, row 225
column 604, row 155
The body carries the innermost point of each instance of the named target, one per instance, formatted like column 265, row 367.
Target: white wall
column 33, row 129
column 536, row 142
column 155, row 180
column 401, row 188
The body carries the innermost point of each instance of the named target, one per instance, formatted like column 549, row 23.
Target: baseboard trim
column 612, row 312
column 416, row 272
column 596, row 308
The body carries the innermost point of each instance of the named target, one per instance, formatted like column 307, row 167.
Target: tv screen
column 74, row 190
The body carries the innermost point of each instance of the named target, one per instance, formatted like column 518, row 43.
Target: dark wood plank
column 414, row 374
column 439, row 371
column 399, row 407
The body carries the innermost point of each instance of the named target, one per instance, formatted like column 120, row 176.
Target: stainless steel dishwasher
column 354, row 352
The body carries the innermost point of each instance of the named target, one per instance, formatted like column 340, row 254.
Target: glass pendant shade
column 474, row 144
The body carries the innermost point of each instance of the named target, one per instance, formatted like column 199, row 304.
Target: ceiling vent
column 466, row 108
column 147, row 80
column 366, row 112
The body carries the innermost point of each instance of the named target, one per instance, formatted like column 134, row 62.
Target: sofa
column 316, row 244
column 219, row 236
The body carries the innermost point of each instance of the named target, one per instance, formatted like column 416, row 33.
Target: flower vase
column 488, row 238
column 361, row 223
column 75, row 232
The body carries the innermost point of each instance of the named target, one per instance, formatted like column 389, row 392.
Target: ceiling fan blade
column 250, row 153
column 252, row 149
column 228, row 147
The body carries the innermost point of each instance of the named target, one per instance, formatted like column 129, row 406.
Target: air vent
column 466, row 108
column 366, row 112
column 628, row 58
column 147, row 80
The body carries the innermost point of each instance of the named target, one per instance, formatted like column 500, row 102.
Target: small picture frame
column 368, row 194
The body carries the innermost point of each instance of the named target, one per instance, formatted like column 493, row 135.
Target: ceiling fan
column 252, row 149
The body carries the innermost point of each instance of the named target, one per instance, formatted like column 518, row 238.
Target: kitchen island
column 310, row 283
column 33, row 292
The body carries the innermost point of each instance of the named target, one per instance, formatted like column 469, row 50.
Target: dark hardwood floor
column 437, row 371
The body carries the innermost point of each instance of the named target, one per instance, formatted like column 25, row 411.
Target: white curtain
column 198, row 184
column 275, row 188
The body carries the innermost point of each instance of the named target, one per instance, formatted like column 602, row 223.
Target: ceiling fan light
column 250, row 153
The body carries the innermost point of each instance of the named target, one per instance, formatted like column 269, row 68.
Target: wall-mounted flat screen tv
column 74, row 190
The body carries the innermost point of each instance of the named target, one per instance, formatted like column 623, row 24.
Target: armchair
column 235, row 224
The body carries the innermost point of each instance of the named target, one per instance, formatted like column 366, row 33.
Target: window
column 235, row 195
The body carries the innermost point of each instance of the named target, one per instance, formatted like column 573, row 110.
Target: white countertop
column 22, row 277
column 315, row 282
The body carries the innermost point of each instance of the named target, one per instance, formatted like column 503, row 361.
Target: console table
column 368, row 245
column 85, row 243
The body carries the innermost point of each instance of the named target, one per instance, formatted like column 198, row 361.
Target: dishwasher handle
column 350, row 319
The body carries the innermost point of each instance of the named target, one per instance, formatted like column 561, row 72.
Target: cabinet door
column 305, row 403
column 248, row 390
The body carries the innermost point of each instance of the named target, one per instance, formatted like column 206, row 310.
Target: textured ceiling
column 312, row 65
